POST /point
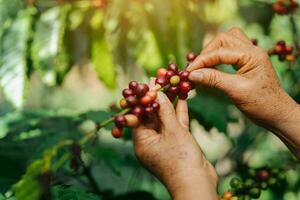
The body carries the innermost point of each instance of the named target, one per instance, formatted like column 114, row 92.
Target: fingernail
column 161, row 97
column 196, row 75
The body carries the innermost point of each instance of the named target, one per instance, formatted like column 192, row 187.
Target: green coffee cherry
column 249, row 183
column 263, row 185
column 235, row 182
column 272, row 182
column 254, row 193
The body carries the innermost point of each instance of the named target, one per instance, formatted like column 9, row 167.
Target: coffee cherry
column 281, row 43
column 174, row 80
column 234, row 182
column 123, row 103
column 171, row 96
column 289, row 49
column 169, row 74
column 281, row 176
column 152, row 94
column 141, row 90
column 254, row 193
column 155, row 106
column 290, row 58
column 173, row 90
column 133, row 86
column 127, row 92
column 161, row 81
column 145, row 100
column 249, row 183
column 263, row 185
column 149, row 110
column 190, row 57
column 262, row 175
column 185, row 86
column 272, row 182
column 131, row 120
column 254, row 42
column 137, row 111
column 173, row 67
column 184, row 75
column 120, row 121
column 161, row 72
column 132, row 101
column 227, row 195
column 182, row 95
column 116, row 132
column 275, row 171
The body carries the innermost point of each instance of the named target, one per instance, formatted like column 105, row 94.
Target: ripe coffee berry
column 161, row 81
column 161, row 72
column 116, row 132
column 141, row 90
column 133, row 86
column 184, row 75
column 185, row 86
column 173, row 67
column 190, row 57
column 120, row 121
column 127, row 92
column 263, row 175
column 132, row 101
column 138, row 111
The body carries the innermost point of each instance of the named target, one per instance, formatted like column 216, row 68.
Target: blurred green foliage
column 63, row 62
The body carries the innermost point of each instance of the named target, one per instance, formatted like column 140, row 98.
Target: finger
column 182, row 113
column 214, row 78
column 142, row 132
column 166, row 112
column 152, row 82
column 224, row 40
column 233, row 56
column 237, row 32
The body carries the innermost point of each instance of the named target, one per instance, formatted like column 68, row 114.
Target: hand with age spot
column 255, row 88
column 166, row 148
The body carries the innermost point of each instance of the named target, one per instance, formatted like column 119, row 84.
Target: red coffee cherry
column 116, row 132
column 161, row 81
column 173, row 67
column 132, row 101
column 161, row 72
column 155, row 106
column 133, row 86
column 191, row 56
column 141, row 90
column 137, row 111
column 184, row 75
column 169, row 74
column 127, row 92
column 185, row 86
column 262, row 175
column 120, row 121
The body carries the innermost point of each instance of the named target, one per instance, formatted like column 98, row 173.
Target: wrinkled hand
column 255, row 88
column 166, row 148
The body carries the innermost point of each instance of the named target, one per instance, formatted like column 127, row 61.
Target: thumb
column 214, row 78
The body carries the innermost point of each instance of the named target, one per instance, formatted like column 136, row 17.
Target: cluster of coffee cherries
column 283, row 51
column 283, row 7
column 139, row 102
column 258, row 180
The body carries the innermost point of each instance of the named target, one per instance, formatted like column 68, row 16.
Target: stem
column 88, row 174
column 295, row 32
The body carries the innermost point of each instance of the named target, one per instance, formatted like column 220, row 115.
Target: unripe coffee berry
column 174, row 80
column 123, row 103
column 131, row 120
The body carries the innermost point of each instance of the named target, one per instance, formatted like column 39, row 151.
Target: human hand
column 255, row 88
column 166, row 148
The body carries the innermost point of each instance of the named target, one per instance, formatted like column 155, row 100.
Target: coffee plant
column 75, row 72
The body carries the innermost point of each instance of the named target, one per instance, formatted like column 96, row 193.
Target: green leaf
column 48, row 53
column 29, row 187
column 72, row 193
column 211, row 110
column 13, row 58
column 101, row 54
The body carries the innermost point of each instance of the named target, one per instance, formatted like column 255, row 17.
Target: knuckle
column 235, row 30
column 213, row 80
